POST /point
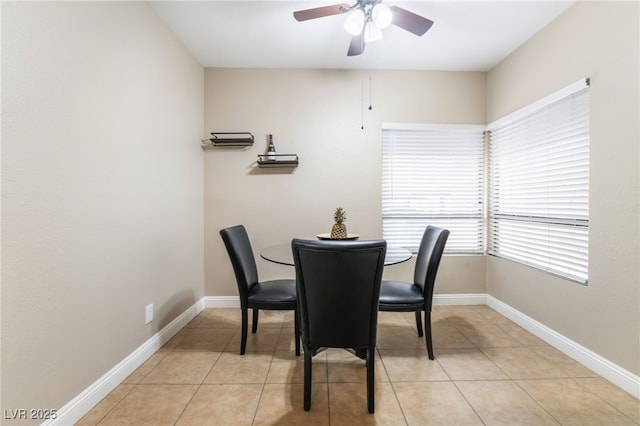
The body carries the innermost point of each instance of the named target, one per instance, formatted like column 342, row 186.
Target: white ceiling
column 466, row 36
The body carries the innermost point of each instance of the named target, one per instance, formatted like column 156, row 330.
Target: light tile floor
column 487, row 370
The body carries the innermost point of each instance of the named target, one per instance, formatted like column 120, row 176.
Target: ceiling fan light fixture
column 354, row 22
column 372, row 32
column 381, row 15
column 366, row 19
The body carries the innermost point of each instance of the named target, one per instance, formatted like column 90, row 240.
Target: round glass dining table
column 281, row 253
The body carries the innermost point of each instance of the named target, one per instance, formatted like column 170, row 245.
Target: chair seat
column 274, row 293
column 401, row 294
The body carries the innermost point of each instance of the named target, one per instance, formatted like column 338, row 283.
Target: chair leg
column 296, row 330
column 427, row 327
column 254, row 326
column 419, row 323
column 371, row 379
column 243, row 339
column 307, row 379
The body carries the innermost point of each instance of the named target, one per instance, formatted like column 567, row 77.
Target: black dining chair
column 338, row 287
column 279, row 295
column 400, row 296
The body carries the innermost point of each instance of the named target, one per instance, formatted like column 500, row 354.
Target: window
column 433, row 175
column 538, row 208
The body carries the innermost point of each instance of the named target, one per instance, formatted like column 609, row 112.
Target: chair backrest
column 238, row 246
column 338, row 286
column 429, row 254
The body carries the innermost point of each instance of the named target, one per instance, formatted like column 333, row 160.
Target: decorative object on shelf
column 271, row 149
column 339, row 229
column 229, row 139
column 327, row 236
column 278, row 160
column 271, row 160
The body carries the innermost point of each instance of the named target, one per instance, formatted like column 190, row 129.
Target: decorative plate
column 327, row 236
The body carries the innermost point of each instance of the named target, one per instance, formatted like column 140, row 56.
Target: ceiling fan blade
column 319, row 12
column 356, row 47
column 409, row 21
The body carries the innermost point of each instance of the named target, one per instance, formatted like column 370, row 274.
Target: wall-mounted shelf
column 277, row 160
column 230, row 139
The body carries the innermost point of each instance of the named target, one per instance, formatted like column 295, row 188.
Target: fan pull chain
column 370, row 97
column 361, row 105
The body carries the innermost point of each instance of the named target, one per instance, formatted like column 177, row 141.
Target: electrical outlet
column 148, row 314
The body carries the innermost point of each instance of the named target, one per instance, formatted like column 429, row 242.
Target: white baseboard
column 221, row 301
column 610, row 371
column 459, row 299
column 81, row 404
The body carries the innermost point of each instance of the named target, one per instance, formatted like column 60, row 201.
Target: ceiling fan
column 367, row 19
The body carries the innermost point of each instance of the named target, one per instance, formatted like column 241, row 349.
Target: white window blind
column 433, row 175
column 538, row 208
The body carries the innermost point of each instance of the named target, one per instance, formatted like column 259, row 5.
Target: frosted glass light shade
column 354, row 22
column 381, row 16
column 372, row 32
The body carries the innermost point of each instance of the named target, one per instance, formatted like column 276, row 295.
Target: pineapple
column 339, row 229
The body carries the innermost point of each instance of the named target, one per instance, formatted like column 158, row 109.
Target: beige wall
column 102, row 207
column 599, row 40
column 317, row 115
column 103, row 180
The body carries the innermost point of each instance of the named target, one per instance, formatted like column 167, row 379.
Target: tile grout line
column 255, row 413
column 197, row 389
column 393, row 388
column 475, row 411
